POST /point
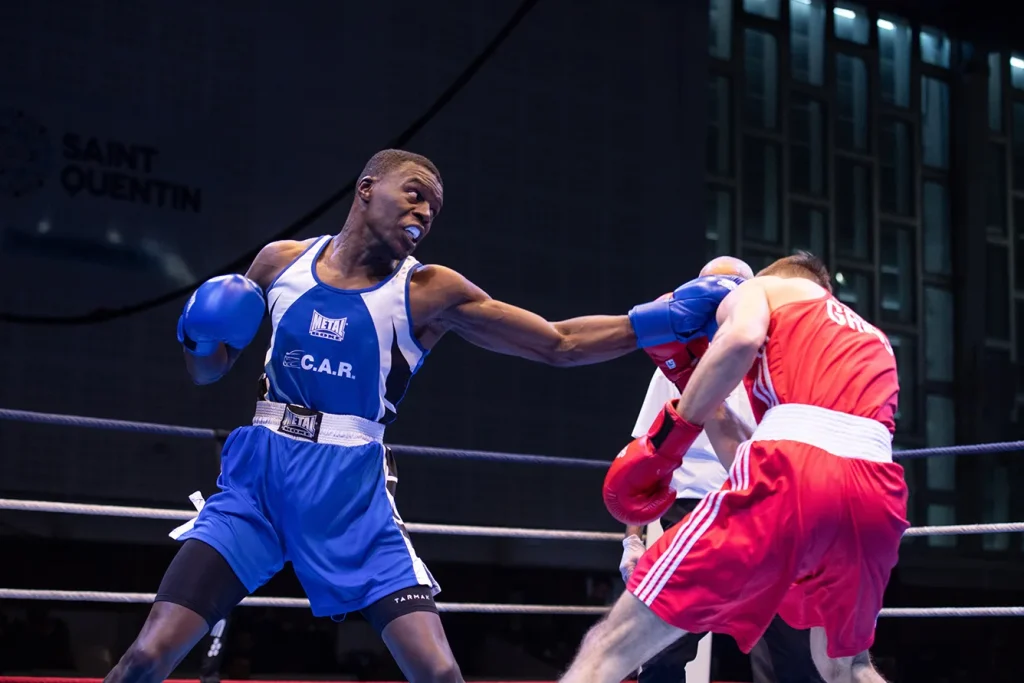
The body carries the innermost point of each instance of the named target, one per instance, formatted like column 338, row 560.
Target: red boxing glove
column 678, row 360
column 638, row 487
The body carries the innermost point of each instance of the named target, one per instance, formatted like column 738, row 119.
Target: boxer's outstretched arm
column 458, row 305
column 514, row 331
column 743, row 318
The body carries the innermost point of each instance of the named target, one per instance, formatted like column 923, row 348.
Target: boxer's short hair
column 801, row 264
column 387, row 160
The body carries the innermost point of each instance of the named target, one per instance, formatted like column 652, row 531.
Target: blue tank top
column 340, row 351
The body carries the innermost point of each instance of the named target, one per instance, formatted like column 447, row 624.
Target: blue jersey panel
column 346, row 352
column 326, row 356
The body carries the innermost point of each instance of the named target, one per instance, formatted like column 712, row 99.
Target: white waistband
column 846, row 436
column 303, row 424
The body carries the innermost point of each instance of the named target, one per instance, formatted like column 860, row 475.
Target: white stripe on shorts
column 699, row 522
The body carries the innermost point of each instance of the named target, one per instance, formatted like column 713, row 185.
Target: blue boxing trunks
column 316, row 490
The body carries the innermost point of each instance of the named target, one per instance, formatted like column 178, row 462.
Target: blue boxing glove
column 226, row 309
column 688, row 313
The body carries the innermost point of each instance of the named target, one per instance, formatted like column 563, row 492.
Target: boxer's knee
column 169, row 633
column 442, row 670
column 856, row 669
column 142, row 662
column 439, row 668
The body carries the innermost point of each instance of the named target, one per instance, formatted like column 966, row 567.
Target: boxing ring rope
column 200, row 433
column 472, row 607
column 205, row 433
column 451, row 529
column 446, row 529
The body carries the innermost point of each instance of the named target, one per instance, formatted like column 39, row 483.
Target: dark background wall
column 572, row 164
column 578, row 181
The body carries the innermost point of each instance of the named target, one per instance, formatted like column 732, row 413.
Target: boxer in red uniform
column 810, row 521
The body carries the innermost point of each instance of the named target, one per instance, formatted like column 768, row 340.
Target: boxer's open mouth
column 414, row 231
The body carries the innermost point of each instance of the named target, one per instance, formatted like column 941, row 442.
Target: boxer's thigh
column 844, row 592
column 417, row 641
column 198, row 589
column 201, row 580
column 342, row 530
column 630, row 634
column 235, row 521
column 727, row 567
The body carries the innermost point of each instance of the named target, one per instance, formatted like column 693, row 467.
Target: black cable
column 101, row 315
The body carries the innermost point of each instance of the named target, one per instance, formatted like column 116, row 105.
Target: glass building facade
column 831, row 129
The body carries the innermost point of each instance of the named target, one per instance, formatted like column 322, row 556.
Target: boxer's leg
column 418, row 644
column 669, row 665
column 198, row 589
column 630, row 635
column 408, row 622
column 230, row 551
column 856, row 669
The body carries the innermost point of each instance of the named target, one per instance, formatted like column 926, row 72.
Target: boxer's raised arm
column 222, row 302
column 444, row 297
column 743, row 319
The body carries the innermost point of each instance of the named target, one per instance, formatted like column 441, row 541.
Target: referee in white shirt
column 783, row 655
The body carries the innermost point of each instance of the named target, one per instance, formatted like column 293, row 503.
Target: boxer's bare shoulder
column 754, row 300
column 274, row 258
column 434, row 290
column 786, row 290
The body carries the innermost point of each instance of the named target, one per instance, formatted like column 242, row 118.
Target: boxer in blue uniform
column 309, row 482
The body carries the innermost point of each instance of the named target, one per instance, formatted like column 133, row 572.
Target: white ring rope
column 473, row 607
column 450, row 529
column 445, row 529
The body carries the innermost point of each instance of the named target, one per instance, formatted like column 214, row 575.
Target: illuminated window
column 939, row 335
column 894, row 43
column 898, row 274
column 853, row 210
column 851, row 103
column 761, row 190
column 995, row 91
column 806, row 145
column 934, row 47
column 1017, row 72
column 718, row 232
column 764, row 8
column 807, row 40
column 934, row 123
column 935, row 223
column 808, row 230
column 761, row 67
column 896, row 164
column 720, row 39
column 851, row 22
column 719, row 135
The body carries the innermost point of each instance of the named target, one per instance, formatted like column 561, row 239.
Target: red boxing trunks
column 808, row 526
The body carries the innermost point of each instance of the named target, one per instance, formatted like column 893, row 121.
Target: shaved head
column 727, row 265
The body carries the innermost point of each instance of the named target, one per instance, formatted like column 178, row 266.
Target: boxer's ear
column 364, row 187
